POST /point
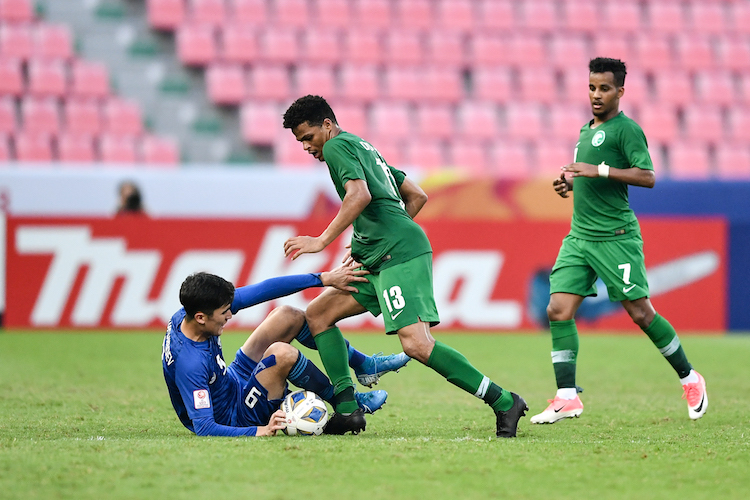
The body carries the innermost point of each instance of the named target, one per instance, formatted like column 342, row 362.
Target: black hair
column 133, row 202
column 312, row 109
column 204, row 292
column 607, row 64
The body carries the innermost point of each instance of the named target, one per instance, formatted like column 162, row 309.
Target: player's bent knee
column 286, row 355
column 557, row 313
column 288, row 314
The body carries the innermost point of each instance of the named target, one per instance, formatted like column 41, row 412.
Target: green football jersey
column 384, row 234
column 601, row 210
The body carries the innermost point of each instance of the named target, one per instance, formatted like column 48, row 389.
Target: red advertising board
column 489, row 275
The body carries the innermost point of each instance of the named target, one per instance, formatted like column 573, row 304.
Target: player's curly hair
column 312, row 109
column 204, row 292
column 607, row 64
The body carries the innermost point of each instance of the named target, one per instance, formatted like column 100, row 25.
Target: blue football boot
column 377, row 365
column 371, row 401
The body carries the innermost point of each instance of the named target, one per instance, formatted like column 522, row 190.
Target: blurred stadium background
column 480, row 99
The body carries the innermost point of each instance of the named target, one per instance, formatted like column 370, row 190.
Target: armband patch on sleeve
column 200, row 399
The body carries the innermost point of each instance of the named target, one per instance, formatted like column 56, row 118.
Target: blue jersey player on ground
column 212, row 398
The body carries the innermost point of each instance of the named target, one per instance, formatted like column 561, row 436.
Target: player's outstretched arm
column 633, row 176
column 277, row 422
column 413, row 195
column 344, row 275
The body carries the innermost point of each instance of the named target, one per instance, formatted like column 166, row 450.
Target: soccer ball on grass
column 306, row 413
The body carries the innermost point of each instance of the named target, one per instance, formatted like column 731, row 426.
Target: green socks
column 333, row 353
column 454, row 366
column 665, row 338
column 564, row 352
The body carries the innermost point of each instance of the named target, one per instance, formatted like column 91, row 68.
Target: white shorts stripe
column 482, row 388
column 670, row 348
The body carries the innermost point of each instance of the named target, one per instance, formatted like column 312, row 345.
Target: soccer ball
column 306, row 413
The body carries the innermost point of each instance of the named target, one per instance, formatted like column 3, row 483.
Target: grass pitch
column 87, row 416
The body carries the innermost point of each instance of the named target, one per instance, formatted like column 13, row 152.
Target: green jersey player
column 380, row 203
column 605, row 241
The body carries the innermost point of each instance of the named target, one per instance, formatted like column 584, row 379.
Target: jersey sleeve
column 343, row 161
column 247, row 296
column 398, row 175
column 635, row 147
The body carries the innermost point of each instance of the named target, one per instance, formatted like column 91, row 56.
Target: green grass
column 88, row 416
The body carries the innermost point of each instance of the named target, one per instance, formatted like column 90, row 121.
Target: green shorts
column 619, row 263
column 402, row 292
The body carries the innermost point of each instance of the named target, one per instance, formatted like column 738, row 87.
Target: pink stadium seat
column 257, row 120
column 351, row 117
column 622, row 17
column 744, row 85
column 539, row 15
column 196, row 44
column 7, row 115
column 478, row 120
column 733, row 52
column 160, row 150
column 16, row 11
column 332, row 13
column 317, row 80
column 636, row 89
column 291, row 13
column 16, row 41
column 694, row 51
column 362, row 46
column 445, row 48
column 122, row 117
column 707, row 17
column 165, row 14
column 288, row 152
column 569, row 51
column 4, row 149
column 118, row 149
column 538, row 84
column 488, row 50
column 551, row 155
column 39, row 115
column 390, row 149
column 739, row 15
column 47, row 78
column 492, row 84
column 82, row 116
column 716, row 87
column 33, row 147
column 11, row 77
column 566, row 120
column 89, row 79
column 359, row 83
column 495, row 15
column 581, row 16
column 239, row 44
column 455, row 15
column 527, row 50
column 225, row 84
column 269, row 81
column 510, row 159
column 403, row 47
column 653, row 52
column 469, row 156
column 391, row 119
column 75, row 148
column 739, row 123
column 733, row 160
column 666, row 16
column 689, row 160
column 612, row 45
column 659, row 123
column 443, row 84
column 416, row 14
column 435, row 121
column 523, row 120
column 321, row 45
column 674, row 87
column 377, row 13
column 576, row 83
column 53, row 41
column 424, row 153
column 248, row 12
column 209, row 12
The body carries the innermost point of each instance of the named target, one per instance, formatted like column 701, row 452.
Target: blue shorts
column 255, row 408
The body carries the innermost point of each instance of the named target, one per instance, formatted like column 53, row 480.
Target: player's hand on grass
column 302, row 244
column 342, row 277
column 277, row 422
column 561, row 185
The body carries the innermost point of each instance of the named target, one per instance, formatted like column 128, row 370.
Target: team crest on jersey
column 200, row 398
column 598, row 138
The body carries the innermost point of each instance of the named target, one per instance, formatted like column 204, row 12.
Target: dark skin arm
column 633, row 176
column 414, row 197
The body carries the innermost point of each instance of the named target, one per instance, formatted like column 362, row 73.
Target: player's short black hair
column 310, row 108
column 607, row 64
column 204, row 292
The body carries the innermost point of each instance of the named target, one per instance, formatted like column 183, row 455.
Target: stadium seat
column 434, row 121
column 575, row 86
column 637, row 90
column 538, row 84
column 455, row 15
column 653, row 52
column 540, row 16
column 89, row 79
column 526, row 50
column 391, row 149
column 249, row 13
column 622, row 17
column 362, row 46
column 76, row 148
column 225, row 84
column 550, row 156
column 332, row 13
column 566, row 119
column 196, row 44
column 288, row 152
column 488, row 50
column 122, row 117
column 159, row 150
column 321, row 46
column 694, row 51
column 377, row 13
column 523, row 120
column 733, row 160
column 16, row 41
column 40, row 115
column 388, row 118
column 53, row 41
column 510, row 159
column 707, row 17
column 165, row 14
column 659, row 123
column 739, row 15
column 581, row 16
column 478, row 120
column 118, row 149
column 443, row 84
column 733, row 52
column 569, row 51
column 424, row 153
column 739, row 123
column 7, row 115
column 469, row 156
column 269, row 81
column 359, row 82
column 47, row 78
column 666, row 16
column 744, row 85
column 415, row 14
column 208, row 12
column 351, row 117
column 716, row 87
column 445, row 48
column 403, row 47
column 495, row 15
column 317, row 80
column 5, row 155
column 673, row 87
column 689, row 160
column 11, row 77
column 239, row 44
column 82, row 116
column 259, row 122
column 17, row 11
column 492, row 84
column 609, row 44
column 33, row 147
column 291, row 13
